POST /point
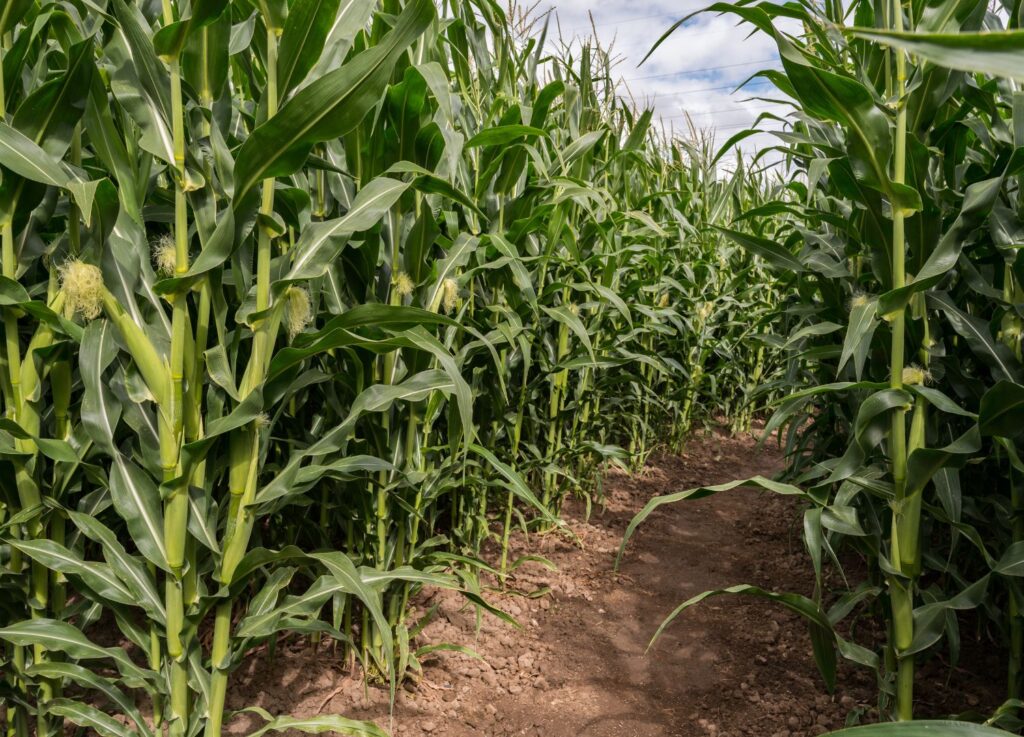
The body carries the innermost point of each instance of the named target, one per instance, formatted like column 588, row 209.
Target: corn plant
column 901, row 254
column 306, row 305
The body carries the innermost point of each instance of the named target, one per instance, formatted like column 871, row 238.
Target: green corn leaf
column 73, row 673
column 48, row 116
column 776, row 255
column 101, row 410
column 302, row 40
column 97, row 576
column 320, row 243
column 979, row 338
column 988, row 52
column 380, row 315
column 205, row 66
column 27, row 159
column 563, row 314
column 376, row 398
column 924, row 463
column 870, row 427
column 265, row 621
column 1011, row 563
column 503, row 135
column 315, row 725
column 930, row 618
column 328, row 108
column 129, row 568
column 978, row 202
column 425, row 181
column 63, row 637
column 12, row 13
column 137, row 499
column 350, row 20
column 857, row 341
column 89, row 717
column 169, row 41
column 759, row 482
column 458, row 256
column 296, row 481
column 141, row 82
column 345, row 573
column 517, row 485
column 1002, row 410
column 823, row 636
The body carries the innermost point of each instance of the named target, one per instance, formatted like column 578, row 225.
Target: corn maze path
column 729, row 667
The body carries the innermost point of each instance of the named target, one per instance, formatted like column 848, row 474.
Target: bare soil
column 728, row 667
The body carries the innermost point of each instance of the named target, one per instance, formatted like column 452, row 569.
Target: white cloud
column 694, row 72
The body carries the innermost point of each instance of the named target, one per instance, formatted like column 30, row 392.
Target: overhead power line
column 684, row 30
column 606, row 23
column 699, row 71
column 726, row 111
column 731, row 127
column 634, row 19
column 754, row 83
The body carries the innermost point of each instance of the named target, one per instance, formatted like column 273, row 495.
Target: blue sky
column 693, row 72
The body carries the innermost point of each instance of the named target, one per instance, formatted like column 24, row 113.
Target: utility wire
column 698, row 71
column 741, row 109
column 605, row 24
column 712, row 89
column 635, row 19
column 758, row 111
column 701, row 116
column 684, row 30
column 731, row 127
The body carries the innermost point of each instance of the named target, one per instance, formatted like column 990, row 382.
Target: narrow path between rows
column 729, row 667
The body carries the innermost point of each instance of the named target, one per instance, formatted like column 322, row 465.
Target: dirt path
column 726, row 668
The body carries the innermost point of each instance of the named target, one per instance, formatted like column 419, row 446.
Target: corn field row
column 899, row 257
column 308, row 305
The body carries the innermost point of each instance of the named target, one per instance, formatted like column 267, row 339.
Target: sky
column 695, row 71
